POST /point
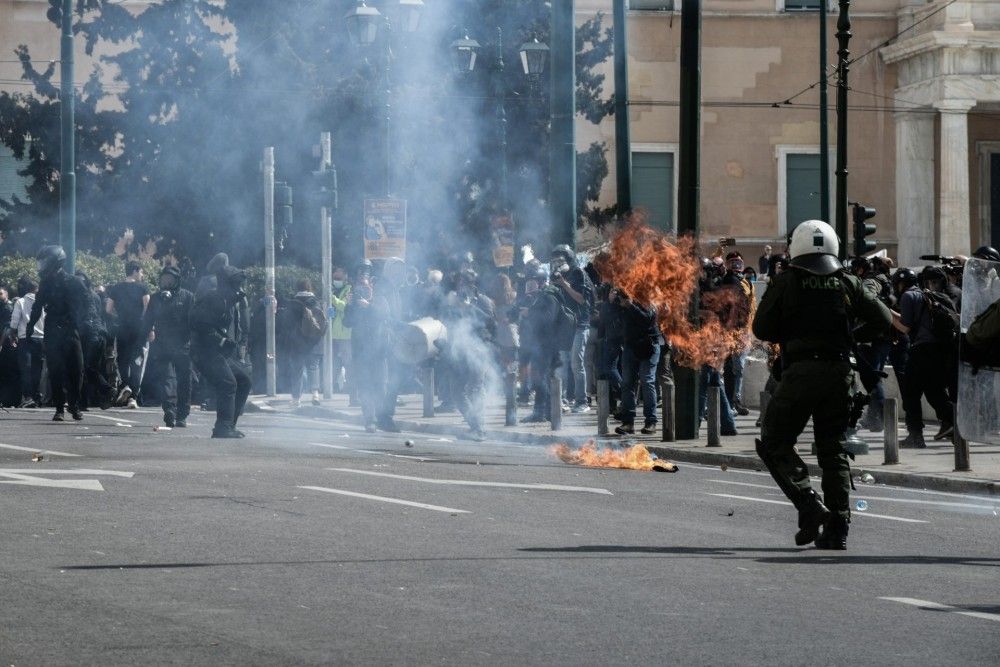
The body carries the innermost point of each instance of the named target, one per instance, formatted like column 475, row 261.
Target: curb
column 883, row 474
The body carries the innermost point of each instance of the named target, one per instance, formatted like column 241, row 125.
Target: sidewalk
column 931, row 468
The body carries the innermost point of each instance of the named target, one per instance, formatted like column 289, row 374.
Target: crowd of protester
column 195, row 339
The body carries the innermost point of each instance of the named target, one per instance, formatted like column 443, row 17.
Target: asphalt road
column 311, row 542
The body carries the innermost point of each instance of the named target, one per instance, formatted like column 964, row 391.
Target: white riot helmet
column 814, row 248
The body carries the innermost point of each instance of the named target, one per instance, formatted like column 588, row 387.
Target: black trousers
column 96, row 385
column 129, row 348
column 172, row 369
column 30, row 354
column 929, row 372
column 230, row 382
column 65, row 360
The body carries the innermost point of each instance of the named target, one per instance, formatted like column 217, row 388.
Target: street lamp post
column 67, row 166
column 533, row 54
column 364, row 26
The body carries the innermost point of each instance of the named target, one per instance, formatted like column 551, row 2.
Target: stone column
column 953, row 203
column 914, row 186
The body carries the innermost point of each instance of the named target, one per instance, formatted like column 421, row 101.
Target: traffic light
column 325, row 182
column 863, row 229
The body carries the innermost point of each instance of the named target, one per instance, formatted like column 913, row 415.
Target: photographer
column 926, row 374
column 577, row 286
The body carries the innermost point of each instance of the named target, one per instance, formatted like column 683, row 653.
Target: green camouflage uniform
column 812, row 317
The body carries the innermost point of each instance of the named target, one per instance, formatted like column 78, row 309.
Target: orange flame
column 653, row 269
column 636, row 457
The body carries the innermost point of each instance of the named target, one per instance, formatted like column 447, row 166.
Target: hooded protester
column 95, row 341
column 207, row 283
column 168, row 329
column 127, row 303
column 216, row 330
column 64, row 301
column 305, row 325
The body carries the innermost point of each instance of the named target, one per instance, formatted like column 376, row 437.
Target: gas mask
column 338, row 284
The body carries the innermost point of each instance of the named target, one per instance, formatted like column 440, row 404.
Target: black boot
column 834, row 535
column 812, row 515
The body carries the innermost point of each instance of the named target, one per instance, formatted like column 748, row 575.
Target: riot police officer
column 65, row 301
column 167, row 328
column 816, row 313
column 215, row 325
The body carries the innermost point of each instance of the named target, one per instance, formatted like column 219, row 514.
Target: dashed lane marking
column 936, row 606
column 783, row 502
column 384, row 499
column 113, row 419
column 461, row 482
column 50, row 452
column 372, row 452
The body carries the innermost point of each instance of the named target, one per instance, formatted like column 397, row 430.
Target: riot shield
column 978, row 376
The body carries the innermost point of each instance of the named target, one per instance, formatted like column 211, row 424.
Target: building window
column 802, row 189
column 653, row 185
column 11, row 183
column 651, row 5
column 799, row 5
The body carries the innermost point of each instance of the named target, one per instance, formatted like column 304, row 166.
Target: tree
column 171, row 125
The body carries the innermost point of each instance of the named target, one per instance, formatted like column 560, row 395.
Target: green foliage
column 100, row 270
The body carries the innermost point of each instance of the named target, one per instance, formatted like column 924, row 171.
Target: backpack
column 311, row 327
column 943, row 315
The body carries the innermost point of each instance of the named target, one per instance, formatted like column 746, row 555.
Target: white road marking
column 51, row 452
column 783, row 502
column 28, row 477
column 940, row 503
column 112, row 419
column 371, row 452
column 936, row 606
column 383, row 499
column 769, row 487
column 460, row 482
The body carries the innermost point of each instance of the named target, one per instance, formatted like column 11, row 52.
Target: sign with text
column 502, row 235
column 385, row 228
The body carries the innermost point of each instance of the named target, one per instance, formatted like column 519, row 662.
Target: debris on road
column 861, row 505
column 37, row 457
column 408, row 443
column 867, row 478
column 636, row 457
column 162, row 428
column 724, row 467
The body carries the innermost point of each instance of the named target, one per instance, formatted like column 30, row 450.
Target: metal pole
column 498, row 92
column 562, row 155
column 388, row 107
column 714, row 400
column 603, row 406
column 326, row 220
column 555, row 401
column 667, row 415
column 67, row 165
column 510, row 398
column 824, row 121
column 688, row 195
column 429, row 392
column 843, row 38
column 623, row 143
column 890, row 433
column 962, row 456
column 272, row 378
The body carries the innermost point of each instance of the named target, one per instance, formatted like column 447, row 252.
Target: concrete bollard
column 714, row 434
column 890, row 434
column 962, row 456
column 603, row 406
column 667, row 412
column 555, row 402
column 510, row 395
column 429, row 391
